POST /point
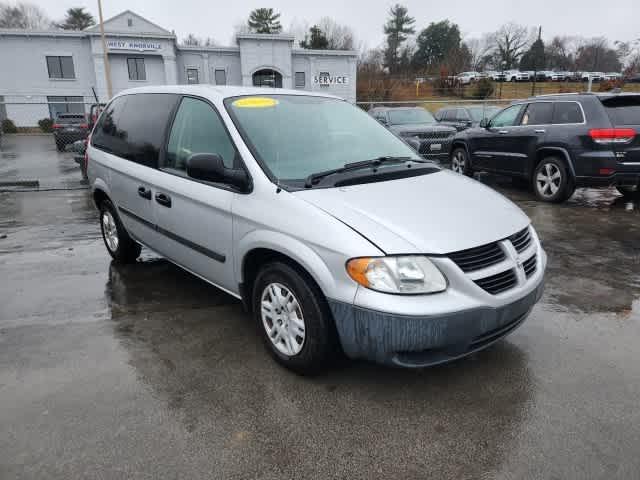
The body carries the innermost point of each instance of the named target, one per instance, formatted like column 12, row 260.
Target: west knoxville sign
column 133, row 45
column 327, row 79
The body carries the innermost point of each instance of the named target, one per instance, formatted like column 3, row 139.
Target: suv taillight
column 55, row 126
column 612, row 135
column 84, row 125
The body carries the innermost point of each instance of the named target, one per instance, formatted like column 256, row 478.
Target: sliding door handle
column 144, row 192
column 163, row 199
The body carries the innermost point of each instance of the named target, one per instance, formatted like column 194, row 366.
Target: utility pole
column 107, row 67
column 535, row 65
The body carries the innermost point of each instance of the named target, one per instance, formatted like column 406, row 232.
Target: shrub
column 46, row 125
column 483, row 88
column 8, row 126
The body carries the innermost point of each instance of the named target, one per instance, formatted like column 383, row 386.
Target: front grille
column 530, row 266
column 499, row 282
column 432, row 135
column 477, row 258
column 521, row 240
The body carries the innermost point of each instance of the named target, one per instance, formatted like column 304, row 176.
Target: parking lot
column 145, row 371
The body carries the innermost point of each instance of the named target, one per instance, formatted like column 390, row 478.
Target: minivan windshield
column 294, row 136
column 409, row 116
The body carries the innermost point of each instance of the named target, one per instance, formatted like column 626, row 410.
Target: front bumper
column 420, row 341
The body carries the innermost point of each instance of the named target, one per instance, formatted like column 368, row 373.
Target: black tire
column 460, row 162
column 319, row 347
column 559, row 188
column 60, row 146
column 127, row 250
column 629, row 190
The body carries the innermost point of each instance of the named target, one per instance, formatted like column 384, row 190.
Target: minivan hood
column 436, row 213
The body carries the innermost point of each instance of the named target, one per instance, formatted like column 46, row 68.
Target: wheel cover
column 110, row 231
column 548, row 180
column 282, row 319
column 458, row 162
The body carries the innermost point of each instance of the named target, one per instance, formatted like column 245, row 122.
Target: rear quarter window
column 133, row 127
column 567, row 112
column 623, row 110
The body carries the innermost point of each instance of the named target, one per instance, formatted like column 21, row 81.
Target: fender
column 562, row 150
column 290, row 247
column 100, row 184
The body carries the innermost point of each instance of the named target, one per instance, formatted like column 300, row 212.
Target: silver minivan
column 333, row 232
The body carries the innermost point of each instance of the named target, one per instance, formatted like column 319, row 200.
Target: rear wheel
column 60, row 145
column 551, row 181
column 294, row 319
column 119, row 244
column 460, row 162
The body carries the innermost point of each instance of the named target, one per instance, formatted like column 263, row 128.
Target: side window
column 567, row 112
column 450, row 115
column 107, row 134
column 538, row 114
column 197, row 128
column 507, row 117
column 462, row 115
column 133, row 127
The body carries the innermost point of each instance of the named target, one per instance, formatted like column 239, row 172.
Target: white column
column 101, row 81
column 205, row 69
column 170, row 70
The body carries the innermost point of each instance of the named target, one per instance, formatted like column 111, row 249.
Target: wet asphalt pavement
column 144, row 371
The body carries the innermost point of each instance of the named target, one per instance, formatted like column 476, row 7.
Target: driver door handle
column 540, row 130
column 503, row 132
column 163, row 199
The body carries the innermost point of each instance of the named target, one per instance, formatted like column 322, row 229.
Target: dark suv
column 558, row 142
column 418, row 128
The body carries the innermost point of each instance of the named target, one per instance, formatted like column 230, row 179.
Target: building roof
column 140, row 25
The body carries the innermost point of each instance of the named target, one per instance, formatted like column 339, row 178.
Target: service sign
column 139, row 45
column 328, row 79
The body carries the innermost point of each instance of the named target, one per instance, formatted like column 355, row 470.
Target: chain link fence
column 68, row 120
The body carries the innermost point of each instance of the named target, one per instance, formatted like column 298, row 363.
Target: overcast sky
column 617, row 19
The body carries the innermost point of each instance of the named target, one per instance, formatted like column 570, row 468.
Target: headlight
column 405, row 275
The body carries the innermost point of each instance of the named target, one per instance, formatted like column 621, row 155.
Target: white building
column 50, row 68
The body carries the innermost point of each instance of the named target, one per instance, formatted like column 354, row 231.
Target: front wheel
column 460, row 162
column 121, row 247
column 294, row 319
column 552, row 182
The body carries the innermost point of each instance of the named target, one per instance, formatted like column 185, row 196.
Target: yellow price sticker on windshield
column 255, row 102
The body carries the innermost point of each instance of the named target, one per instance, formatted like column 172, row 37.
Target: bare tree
column 480, row 51
column 511, row 41
column 340, row 37
column 24, row 16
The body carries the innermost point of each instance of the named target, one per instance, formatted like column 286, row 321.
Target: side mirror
column 484, row 123
column 210, row 168
column 469, row 123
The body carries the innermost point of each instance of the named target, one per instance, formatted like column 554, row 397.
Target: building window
column 136, row 69
column 129, row 22
column 220, row 76
column 60, row 67
column 300, row 80
column 58, row 105
column 192, row 75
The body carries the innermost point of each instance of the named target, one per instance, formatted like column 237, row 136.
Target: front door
column 195, row 217
column 490, row 146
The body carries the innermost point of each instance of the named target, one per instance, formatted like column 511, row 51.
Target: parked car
column 611, row 76
column 465, row 116
column 466, row 78
column 558, row 143
column 496, row 76
column 329, row 228
column 68, row 128
column 594, row 76
column 419, row 128
column 516, row 76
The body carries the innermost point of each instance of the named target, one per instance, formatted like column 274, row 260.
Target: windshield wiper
column 375, row 162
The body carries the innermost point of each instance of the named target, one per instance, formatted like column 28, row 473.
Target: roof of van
column 221, row 92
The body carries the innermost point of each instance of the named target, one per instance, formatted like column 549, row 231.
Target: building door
column 267, row 78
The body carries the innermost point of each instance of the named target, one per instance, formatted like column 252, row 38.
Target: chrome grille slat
column 478, row 257
column 499, row 282
column 521, row 240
